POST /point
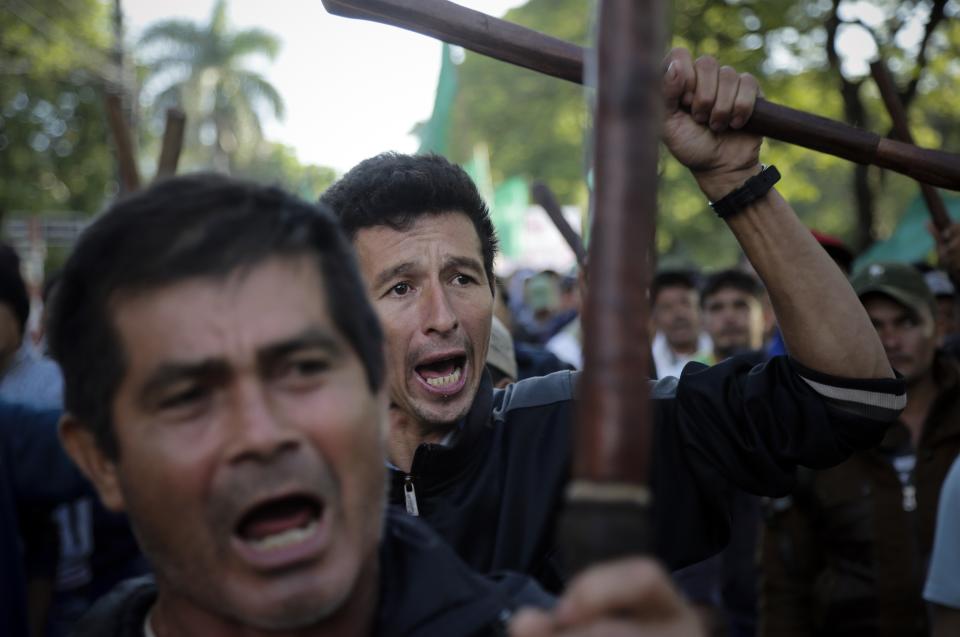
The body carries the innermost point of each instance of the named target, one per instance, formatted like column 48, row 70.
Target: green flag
column 435, row 132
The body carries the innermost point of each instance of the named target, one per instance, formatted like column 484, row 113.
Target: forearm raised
column 822, row 322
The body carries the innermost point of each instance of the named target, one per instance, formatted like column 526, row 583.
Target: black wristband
column 753, row 189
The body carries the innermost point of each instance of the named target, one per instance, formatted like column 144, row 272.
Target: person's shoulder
column 540, row 391
column 121, row 612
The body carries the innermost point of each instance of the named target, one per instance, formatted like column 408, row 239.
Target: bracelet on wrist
column 753, row 189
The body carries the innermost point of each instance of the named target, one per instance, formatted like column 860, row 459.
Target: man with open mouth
column 224, row 386
column 487, row 469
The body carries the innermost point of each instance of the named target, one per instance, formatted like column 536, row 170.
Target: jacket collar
column 439, row 462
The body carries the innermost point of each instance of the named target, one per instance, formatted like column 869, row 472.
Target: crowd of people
column 270, row 416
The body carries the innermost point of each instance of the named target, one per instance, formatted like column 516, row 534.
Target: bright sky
column 352, row 89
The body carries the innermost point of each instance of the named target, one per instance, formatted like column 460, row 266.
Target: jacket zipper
column 410, row 496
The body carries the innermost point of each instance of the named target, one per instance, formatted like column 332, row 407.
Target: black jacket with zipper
column 496, row 492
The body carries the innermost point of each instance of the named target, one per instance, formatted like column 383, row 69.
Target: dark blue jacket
column 425, row 591
column 494, row 495
column 33, row 470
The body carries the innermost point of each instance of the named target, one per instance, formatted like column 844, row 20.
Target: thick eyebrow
column 464, row 263
column 313, row 338
column 389, row 274
column 217, row 370
column 210, row 370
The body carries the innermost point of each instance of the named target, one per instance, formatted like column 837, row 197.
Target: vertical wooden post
column 126, row 160
column 608, row 504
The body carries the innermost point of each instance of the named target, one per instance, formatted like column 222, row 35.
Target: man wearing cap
column 847, row 552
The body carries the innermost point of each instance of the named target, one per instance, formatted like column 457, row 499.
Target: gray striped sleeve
column 875, row 405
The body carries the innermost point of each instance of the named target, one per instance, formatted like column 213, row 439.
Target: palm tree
column 200, row 69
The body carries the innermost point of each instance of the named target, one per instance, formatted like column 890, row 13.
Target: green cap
column 901, row 282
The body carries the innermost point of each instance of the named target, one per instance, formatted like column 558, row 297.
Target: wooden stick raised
column 888, row 91
column 525, row 47
column 173, row 132
column 608, row 501
column 123, row 143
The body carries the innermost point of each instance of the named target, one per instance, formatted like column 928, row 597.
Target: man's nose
column 437, row 311
column 258, row 430
column 890, row 340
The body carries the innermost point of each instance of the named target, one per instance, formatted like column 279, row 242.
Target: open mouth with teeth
column 445, row 376
column 281, row 530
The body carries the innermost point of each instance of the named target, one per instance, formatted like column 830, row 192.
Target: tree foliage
column 54, row 63
column 534, row 125
column 278, row 165
column 200, row 68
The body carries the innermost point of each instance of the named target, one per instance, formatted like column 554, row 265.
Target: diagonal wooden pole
column 533, row 50
column 901, row 127
column 123, row 142
column 608, row 501
column 545, row 198
column 172, row 145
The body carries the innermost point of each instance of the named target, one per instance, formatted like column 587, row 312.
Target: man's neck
column 921, row 394
column 174, row 616
column 406, row 434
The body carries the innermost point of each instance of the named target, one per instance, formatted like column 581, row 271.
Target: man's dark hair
column 199, row 225
column 671, row 279
column 394, row 190
column 736, row 279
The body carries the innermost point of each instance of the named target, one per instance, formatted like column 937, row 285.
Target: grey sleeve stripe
column 893, row 402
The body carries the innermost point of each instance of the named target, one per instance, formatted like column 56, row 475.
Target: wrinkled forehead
column 430, row 235
column 247, row 307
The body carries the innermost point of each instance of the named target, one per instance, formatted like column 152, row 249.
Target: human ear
column 81, row 445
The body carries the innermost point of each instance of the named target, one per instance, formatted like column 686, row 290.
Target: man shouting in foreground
column 224, row 387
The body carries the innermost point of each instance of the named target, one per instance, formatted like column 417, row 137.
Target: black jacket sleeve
column 749, row 427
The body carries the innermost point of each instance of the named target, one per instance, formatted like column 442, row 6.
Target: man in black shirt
column 488, row 469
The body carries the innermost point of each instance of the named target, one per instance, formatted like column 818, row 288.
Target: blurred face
column 433, row 298
column 677, row 315
column 946, row 317
column 734, row 320
column 250, row 448
column 908, row 339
